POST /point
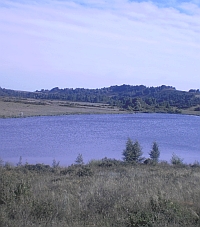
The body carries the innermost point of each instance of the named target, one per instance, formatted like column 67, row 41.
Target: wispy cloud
column 87, row 43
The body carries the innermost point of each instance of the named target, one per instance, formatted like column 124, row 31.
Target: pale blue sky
column 99, row 43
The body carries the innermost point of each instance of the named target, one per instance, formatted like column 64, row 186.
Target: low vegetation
column 101, row 193
column 139, row 98
column 12, row 107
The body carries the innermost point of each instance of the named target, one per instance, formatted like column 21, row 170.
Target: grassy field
column 191, row 111
column 14, row 107
column 20, row 107
column 101, row 193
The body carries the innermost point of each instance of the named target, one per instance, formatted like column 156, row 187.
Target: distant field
column 191, row 111
column 25, row 107
column 15, row 107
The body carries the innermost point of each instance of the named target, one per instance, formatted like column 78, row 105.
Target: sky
column 99, row 43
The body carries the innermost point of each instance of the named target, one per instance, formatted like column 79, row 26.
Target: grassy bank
column 11, row 107
column 22, row 107
column 101, row 193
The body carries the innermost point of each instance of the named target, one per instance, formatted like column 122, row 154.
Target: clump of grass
column 104, row 192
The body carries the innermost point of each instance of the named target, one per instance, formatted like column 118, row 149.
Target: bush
column 84, row 172
column 77, row 170
column 175, row 160
column 108, row 162
column 38, row 167
column 55, row 164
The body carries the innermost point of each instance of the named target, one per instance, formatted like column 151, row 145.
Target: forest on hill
column 137, row 98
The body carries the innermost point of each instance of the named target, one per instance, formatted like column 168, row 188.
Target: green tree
column 20, row 161
column 79, row 159
column 133, row 152
column 176, row 160
column 55, row 164
column 155, row 152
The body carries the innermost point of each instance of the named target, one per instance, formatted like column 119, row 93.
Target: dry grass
column 14, row 107
column 190, row 111
column 101, row 193
column 24, row 107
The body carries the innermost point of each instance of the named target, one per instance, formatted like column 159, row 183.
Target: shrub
column 196, row 164
column 38, row 167
column 84, row 171
column 176, row 160
column 55, row 164
column 19, row 162
column 108, row 162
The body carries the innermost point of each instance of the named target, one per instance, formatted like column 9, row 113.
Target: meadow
column 100, row 193
column 12, row 107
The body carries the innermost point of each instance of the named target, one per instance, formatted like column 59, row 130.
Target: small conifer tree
column 176, row 160
column 79, row 159
column 133, row 152
column 55, row 164
column 20, row 161
column 155, row 153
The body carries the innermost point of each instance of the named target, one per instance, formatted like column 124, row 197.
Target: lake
column 42, row 139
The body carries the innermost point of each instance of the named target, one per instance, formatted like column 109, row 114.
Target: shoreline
column 22, row 108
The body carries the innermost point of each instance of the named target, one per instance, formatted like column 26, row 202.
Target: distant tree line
column 134, row 98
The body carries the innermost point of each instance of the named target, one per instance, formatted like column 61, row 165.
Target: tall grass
column 101, row 193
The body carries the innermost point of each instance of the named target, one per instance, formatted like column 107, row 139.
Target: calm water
column 41, row 139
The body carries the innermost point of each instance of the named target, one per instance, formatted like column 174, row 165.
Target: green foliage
column 197, row 109
column 84, row 171
column 71, row 170
column 105, row 162
column 77, row 170
column 175, row 212
column 155, row 153
column 43, row 210
column 149, row 161
column 1, row 163
column 38, row 167
column 8, row 165
column 196, row 164
column 140, row 218
column 55, row 164
column 133, row 152
column 20, row 161
column 176, row 160
column 79, row 159
column 22, row 189
column 133, row 98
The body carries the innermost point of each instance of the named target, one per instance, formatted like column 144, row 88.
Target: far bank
column 26, row 107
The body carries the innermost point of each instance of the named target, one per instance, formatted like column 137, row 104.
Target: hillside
column 137, row 98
